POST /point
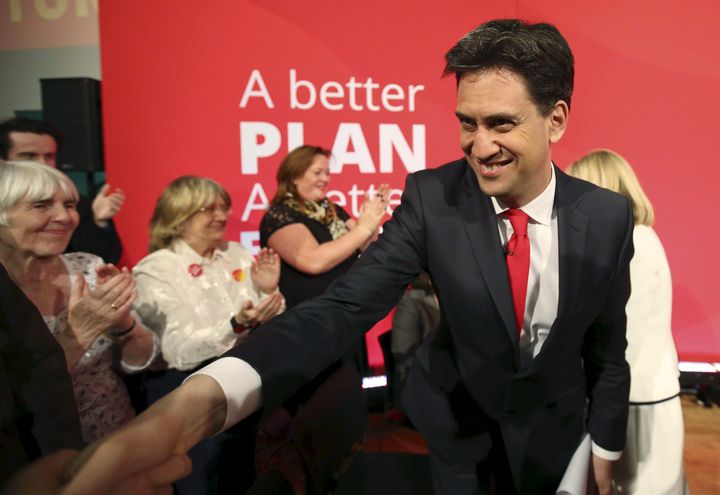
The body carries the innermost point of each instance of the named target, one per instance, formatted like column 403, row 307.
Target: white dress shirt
column 541, row 302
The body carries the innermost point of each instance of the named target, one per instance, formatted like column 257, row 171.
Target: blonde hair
column 180, row 200
column 607, row 169
column 31, row 181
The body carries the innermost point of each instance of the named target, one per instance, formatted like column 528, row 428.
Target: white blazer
column 651, row 350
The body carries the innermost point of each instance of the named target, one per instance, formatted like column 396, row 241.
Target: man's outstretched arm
column 149, row 451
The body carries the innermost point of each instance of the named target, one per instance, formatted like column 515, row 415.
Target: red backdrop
column 224, row 88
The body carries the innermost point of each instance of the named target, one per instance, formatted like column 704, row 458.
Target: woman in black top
column 317, row 242
column 316, row 239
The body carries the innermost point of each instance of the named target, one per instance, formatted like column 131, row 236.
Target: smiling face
column 40, row 228
column 205, row 229
column 504, row 137
column 40, row 148
column 312, row 185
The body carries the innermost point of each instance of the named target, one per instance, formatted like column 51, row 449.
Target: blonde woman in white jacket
column 652, row 460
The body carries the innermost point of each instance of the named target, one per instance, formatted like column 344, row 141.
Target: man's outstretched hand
column 143, row 457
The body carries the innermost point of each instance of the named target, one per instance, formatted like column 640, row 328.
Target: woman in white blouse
column 652, row 459
column 202, row 295
column 84, row 302
column 199, row 292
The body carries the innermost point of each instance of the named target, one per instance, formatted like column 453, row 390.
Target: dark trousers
column 489, row 476
column 467, row 453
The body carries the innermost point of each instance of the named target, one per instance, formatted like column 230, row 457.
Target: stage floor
column 702, row 447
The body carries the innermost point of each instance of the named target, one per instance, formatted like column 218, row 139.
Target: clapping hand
column 108, row 306
column 107, row 271
column 250, row 315
column 373, row 209
column 106, row 204
column 265, row 272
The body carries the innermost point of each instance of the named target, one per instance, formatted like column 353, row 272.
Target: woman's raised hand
column 91, row 313
column 265, row 272
column 373, row 209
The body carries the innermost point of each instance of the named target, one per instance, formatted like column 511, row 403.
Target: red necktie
column 517, row 255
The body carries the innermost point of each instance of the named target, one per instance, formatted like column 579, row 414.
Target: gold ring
column 114, row 306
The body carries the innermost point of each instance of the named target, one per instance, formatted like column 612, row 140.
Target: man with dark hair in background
column 531, row 269
column 37, row 141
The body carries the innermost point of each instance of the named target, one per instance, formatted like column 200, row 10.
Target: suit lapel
column 480, row 224
column 572, row 229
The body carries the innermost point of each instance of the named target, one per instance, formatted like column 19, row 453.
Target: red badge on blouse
column 238, row 274
column 195, row 270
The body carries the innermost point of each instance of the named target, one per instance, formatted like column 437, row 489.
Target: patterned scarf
column 323, row 212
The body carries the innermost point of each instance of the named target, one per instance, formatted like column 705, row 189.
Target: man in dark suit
column 530, row 350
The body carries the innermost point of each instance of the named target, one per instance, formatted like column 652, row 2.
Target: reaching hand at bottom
column 143, row 457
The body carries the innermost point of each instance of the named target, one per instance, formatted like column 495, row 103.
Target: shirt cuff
column 131, row 368
column 241, row 385
column 608, row 455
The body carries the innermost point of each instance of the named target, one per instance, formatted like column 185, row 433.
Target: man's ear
column 557, row 120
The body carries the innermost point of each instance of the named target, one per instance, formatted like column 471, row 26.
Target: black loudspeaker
column 73, row 106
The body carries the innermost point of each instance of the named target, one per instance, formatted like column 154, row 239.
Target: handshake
column 143, row 457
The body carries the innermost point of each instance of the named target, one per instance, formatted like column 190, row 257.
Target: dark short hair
column 24, row 124
column 537, row 52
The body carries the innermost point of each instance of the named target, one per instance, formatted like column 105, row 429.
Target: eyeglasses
column 213, row 209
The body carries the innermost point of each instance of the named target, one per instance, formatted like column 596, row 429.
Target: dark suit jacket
column 38, row 414
column 469, row 370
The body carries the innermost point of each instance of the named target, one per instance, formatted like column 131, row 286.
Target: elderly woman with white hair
column 85, row 303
